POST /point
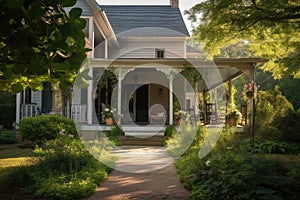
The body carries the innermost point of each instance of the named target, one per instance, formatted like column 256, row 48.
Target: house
column 145, row 50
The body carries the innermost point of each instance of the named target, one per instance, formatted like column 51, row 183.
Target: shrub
column 64, row 170
column 45, row 127
column 113, row 135
column 290, row 126
column 170, row 131
column 229, row 172
column 7, row 137
column 273, row 147
column 181, row 140
column 271, row 108
column 233, row 176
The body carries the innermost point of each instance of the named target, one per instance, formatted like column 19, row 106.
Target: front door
column 142, row 102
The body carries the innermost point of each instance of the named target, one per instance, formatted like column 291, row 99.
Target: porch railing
column 79, row 113
column 29, row 110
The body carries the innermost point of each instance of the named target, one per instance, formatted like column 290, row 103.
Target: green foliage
column 114, row 133
column 273, row 147
column 290, row 126
column 179, row 142
column 65, row 170
column 235, row 114
column 234, row 176
column 270, row 27
column 7, row 137
column 45, row 127
column 7, row 106
column 271, row 108
column 40, row 42
column 288, row 85
column 230, row 172
column 170, row 131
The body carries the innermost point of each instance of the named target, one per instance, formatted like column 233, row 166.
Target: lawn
column 12, row 157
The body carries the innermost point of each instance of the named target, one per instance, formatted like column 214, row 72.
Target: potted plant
column 108, row 115
column 233, row 117
column 179, row 116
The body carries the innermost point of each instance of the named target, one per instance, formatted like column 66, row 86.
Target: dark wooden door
column 142, row 103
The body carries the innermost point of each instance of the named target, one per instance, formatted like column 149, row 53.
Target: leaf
column 18, row 87
column 68, row 3
column 75, row 13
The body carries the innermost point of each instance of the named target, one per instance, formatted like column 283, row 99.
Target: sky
column 183, row 5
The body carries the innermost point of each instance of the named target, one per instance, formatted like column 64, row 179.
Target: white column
column 91, row 35
column 18, row 107
column 90, row 98
column 120, row 94
column 171, row 99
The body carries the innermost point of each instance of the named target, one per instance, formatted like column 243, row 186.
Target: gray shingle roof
column 164, row 21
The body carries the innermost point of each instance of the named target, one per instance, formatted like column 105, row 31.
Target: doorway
column 142, row 104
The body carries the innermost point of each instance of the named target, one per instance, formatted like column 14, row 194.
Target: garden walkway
column 142, row 173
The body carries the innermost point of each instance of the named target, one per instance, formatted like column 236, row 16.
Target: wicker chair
column 157, row 112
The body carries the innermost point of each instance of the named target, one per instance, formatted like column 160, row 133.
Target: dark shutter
column 46, row 98
column 28, row 95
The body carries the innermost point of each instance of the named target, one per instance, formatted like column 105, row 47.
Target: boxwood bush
column 45, row 127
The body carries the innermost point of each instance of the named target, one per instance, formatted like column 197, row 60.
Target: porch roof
column 225, row 68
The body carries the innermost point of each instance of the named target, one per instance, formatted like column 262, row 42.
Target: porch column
column 90, row 98
column 119, row 94
column 91, row 36
column 230, row 94
column 252, row 106
column 18, row 107
column 171, row 99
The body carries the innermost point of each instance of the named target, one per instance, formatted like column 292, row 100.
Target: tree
column 271, row 27
column 40, row 42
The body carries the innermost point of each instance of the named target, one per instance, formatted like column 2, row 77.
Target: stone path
column 142, row 173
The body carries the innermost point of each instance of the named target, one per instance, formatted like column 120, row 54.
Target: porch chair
column 157, row 112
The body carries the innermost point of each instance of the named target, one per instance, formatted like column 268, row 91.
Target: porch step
column 143, row 141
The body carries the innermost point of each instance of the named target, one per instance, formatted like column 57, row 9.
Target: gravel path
column 142, row 173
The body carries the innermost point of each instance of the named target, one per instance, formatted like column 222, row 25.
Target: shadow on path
column 142, row 173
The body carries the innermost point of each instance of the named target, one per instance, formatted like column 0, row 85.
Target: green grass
column 11, row 158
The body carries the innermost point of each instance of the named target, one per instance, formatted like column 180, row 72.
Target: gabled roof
column 190, row 49
column 149, row 21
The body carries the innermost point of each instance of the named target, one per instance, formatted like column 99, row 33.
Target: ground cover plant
column 232, row 171
column 59, row 168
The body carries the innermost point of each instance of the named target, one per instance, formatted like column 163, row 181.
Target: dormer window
column 160, row 53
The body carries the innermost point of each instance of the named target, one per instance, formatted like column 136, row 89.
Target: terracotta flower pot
column 178, row 122
column 109, row 121
column 232, row 122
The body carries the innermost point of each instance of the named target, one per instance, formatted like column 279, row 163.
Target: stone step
column 143, row 141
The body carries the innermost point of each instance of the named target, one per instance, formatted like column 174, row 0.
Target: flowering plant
column 235, row 114
column 180, row 114
column 107, row 113
column 249, row 88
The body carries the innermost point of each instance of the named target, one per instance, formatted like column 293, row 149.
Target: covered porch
column 142, row 83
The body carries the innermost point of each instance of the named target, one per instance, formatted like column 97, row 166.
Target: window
column 188, row 103
column 160, row 53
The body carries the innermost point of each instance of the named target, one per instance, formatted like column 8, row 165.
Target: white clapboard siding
column 36, row 97
column 146, row 49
